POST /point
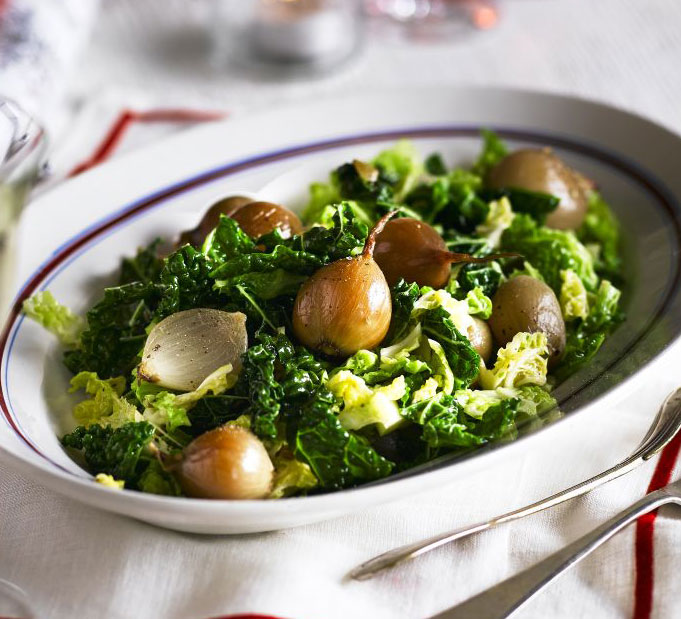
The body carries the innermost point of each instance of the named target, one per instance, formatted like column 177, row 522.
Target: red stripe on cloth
column 3, row 5
column 127, row 117
column 645, row 530
column 108, row 144
column 180, row 116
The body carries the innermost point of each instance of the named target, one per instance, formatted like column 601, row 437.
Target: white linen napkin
column 74, row 560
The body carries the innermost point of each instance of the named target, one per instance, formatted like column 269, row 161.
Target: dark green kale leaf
column 228, row 241
column 145, row 267
column 461, row 356
column 486, row 276
column 534, row 203
column 354, row 186
column 497, row 422
column 265, row 298
column 452, row 201
column 445, row 425
column 186, row 283
column 276, row 377
column 343, row 235
column 116, row 331
column 462, row 244
column 213, row 411
column 429, row 199
column 338, row 458
column 550, row 251
column 258, row 382
column 465, row 210
column 156, row 480
column 281, row 257
column 118, row 452
column 265, row 285
column 493, row 151
column 435, row 165
column 580, row 348
column 447, row 430
column 404, row 296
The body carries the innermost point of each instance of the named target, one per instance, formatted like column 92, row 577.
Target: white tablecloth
column 76, row 561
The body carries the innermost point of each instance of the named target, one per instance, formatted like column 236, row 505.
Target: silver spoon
column 503, row 599
column 664, row 427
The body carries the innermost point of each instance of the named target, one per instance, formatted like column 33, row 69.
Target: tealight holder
column 288, row 35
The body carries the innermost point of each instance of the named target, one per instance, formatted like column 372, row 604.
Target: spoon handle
column 392, row 557
column 503, row 599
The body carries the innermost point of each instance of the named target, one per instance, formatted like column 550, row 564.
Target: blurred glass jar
column 22, row 143
column 432, row 20
column 288, row 35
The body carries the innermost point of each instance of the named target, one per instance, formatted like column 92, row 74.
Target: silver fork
column 664, row 427
column 506, row 597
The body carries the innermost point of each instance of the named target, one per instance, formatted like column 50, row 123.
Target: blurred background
column 192, row 51
column 74, row 75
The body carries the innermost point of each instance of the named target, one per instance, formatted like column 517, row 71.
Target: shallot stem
column 368, row 251
column 454, row 258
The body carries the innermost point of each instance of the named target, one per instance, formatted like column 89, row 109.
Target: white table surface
column 74, row 560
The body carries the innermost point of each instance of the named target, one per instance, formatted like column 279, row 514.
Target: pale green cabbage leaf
column 56, row 318
column 105, row 405
column 170, row 409
column 364, row 405
column 404, row 162
column 573, row 296
column 499, row 217
column 523, row 361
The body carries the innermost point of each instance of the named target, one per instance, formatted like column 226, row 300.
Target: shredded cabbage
column 401, row 349
column 105, row 406
column 528, row 270
column 404, row 162
column 290, row 477
column 457, row 310
column 109, row 481
column 56, row 318
column 440, row 367
column 499, row 217
column 427, row 391
column 170, row 410
column 475, row 402
column 479, row 304
column 321, row 195
column 521, row 362
column 364, row 405
column 533, row 399
column 573, row 297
